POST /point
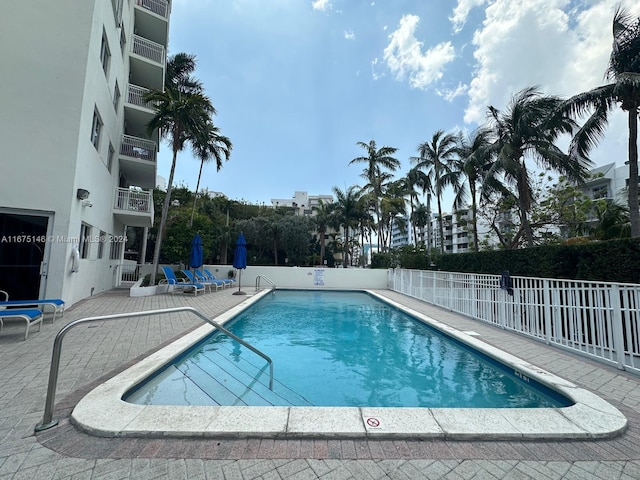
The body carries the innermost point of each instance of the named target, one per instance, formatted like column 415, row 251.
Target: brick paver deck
column 94, row 352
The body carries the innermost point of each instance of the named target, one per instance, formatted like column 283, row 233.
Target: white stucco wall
column 306, row 277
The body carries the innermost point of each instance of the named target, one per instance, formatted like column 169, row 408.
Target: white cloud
column 405, row 59
column 321, row 5
column 349, row 35
column 450, row 93
column 461, row 12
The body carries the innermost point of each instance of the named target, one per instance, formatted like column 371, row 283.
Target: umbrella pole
column 239, row 292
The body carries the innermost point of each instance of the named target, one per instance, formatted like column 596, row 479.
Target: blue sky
column 297, row 83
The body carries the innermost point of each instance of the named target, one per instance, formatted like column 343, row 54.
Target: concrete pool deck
column 93, row 353
column 103, row 412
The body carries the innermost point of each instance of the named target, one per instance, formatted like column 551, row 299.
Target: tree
column 376, row 160
column 415, row 179
column 472, row 162
column 528, row 129
column 212, row 146
column 623, row 72
column 183, row 116
column 347, row 211
column 323, row 220
column 435, row 157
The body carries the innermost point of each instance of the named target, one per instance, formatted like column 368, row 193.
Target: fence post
column 616, row 325
column 546, row 296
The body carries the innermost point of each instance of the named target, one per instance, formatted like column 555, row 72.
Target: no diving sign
column 373, row 422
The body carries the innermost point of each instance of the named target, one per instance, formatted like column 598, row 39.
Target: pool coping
column 102, row 412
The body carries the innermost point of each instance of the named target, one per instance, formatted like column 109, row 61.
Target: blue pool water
column 339, row 349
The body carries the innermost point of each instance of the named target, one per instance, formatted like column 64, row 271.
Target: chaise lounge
column 205, row 282
column 56, row 304
column 171, row 279
column 32, row 316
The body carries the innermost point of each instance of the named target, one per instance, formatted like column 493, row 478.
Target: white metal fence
column 596, row 319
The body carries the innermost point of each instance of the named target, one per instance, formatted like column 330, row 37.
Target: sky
column 298, row 83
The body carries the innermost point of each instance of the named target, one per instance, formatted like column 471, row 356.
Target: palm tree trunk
column 321, row 232
column 634, row 209
column 195, row 197
column 440, row 226
column 474, row 215
column 163, row 219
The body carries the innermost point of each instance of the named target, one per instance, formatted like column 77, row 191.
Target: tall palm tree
column 415, row 179
column 623, row 72
column 474, row 157
column 435, row 157
column 377, row 160
column 183, row 116
column 528, row 129
column 347, row 211
column 323, row 220
column 212, row 146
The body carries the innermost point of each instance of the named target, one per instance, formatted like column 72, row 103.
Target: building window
column 96, row 128
column 123, row 40
column 101, row 240
column 116, row 97
column 110, row 156
column 85, row 237
column 105, row 53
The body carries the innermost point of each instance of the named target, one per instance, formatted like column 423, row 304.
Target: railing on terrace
column 148, row 49
column 597, row 319
column 138, row 148
column 134, row 200
column 135, row 96
column 159, row 7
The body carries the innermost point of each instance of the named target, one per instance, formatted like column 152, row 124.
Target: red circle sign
column 373, row 422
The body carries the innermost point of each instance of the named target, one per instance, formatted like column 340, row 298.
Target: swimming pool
column 103, row 411
column 339, row 348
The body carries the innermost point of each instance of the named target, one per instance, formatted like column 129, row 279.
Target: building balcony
column 158, row 7
column 147, row 62
column 134, row 207
column 152, row 20
column 138, row 161
column 138, row 113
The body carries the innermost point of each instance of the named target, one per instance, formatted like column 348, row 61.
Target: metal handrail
column 47, row 419
column 273, row 285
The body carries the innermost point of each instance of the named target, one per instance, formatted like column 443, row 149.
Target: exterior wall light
column 82, row 194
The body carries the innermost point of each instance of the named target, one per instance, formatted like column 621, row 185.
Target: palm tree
column 473, row 161
column 528, row 128
column 414, row 179
column 623, row 72
column 347, row 211
column 212, row 146
column 376, row 160
column 323, row 220
column 435, row 157
column 183, row 116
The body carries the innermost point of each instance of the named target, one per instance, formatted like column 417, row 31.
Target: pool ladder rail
column 266, row 279
column 48, row 421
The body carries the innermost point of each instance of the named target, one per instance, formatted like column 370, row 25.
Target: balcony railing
column 140, row 201
column 159, row 7
column 148, row 49
column 138, row 148
column 135, row 96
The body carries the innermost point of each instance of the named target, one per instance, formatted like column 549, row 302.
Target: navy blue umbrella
column 240, row 259
column 195, row 257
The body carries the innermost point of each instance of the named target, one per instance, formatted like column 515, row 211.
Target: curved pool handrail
column 273, row 285
column 47, row 419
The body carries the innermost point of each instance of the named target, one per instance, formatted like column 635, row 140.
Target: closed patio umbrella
column 195, row 256
column 240, row 260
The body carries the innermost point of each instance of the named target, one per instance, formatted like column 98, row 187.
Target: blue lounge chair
column 227, row 281
column 178, row 283
column 192, row 278
column 206, row 278
column 56, row 304
column 31, row 316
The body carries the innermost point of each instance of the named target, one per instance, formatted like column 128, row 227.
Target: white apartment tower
column 77, row 165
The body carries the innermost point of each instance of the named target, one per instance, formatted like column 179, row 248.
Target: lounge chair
column 31, row 316
column 192, row 278
column 178, row 283
column 227, row 281
column 201, row 276
column 56, row 304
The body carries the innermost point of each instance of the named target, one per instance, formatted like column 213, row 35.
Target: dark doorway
column 22, row 246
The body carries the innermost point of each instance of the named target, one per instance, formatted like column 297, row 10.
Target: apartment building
column 78, row 166
column 302, row 203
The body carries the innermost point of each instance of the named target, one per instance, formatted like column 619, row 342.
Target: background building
column 78, row 165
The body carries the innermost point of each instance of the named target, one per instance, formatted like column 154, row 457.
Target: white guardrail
column 596, row 319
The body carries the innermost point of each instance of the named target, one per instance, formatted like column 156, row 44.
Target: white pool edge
column 102, row 411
